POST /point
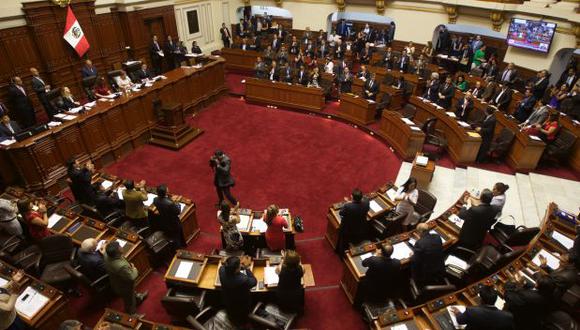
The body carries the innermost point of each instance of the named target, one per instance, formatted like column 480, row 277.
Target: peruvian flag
column 74, row 35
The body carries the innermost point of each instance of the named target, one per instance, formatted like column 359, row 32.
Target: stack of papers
column 391, row 194
column 270, row 276
column 7, row 142
column 375, row 207
column 422, row 161
column 401, row 251
column 259, row 225
column 60, row 115
column 453, row 318
column 106, row 184
column 244, row 222
column 455, row 262
column 30, row 302
column 366, row 256
column 54, row 123
column 401, row 326
column 463, row 124
column 76, row 109
column 552, row 261
column 150, row 198
column 53, row 219
column 499, row 303
column 456, row 220
column 567, row 242
column 184, row 269
column 90, row 104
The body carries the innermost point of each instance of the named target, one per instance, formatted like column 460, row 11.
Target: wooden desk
column 239, row 59
column 525, row 152
column 111, row 316
column 357, row 109
column 462, row 144
column 417, row 83
column 358, row 86
column 284, row 94
column 423, row 174
column 405, row 139
column 108, row 131
column 574, row 158
column 397, row 96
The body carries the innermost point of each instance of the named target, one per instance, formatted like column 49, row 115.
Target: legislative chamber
column 290, row 164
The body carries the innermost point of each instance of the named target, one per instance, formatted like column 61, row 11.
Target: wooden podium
column 171, row 131
column 397, row 96
column 357, row 109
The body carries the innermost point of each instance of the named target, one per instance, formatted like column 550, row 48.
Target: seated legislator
column 461, row 84
column 381, row 278
column 464, row 106
column 363, row 73
column 282, row 56
column 486, row 315
column 8, row 217
column 529, row 305
column 36, row 221
column 134, row 195
column 508, row 75
column 106, row 201
column 538, row 116
column 486, row 131
column 80, row 180
column 547, row 130
column 499, row 197
column 260, row 68
column 302, row 76
column 354, row 227
column 286, row 73
column 314, row 80
column 66, row 101
column 275, row 238
column 407, row 196
column 445, row 94
column 420, row 66
column 244, row 45
column 268, row 54
column 489, row 90
column 123, row 81
column 167, row 217
column 478, row 220
column 432, row 88
column 568, row 78
column 290, row 292
column 9, row 293
column 525, row 107
column 237, row 280
column 477, row 91
column 234, row 241
column 89, row 70
column 143, row 73
column 195, row 49
column 101, row 90
column 91, row 260
column 8, row 128
column 345, row 81
column 329, row 66
column 371, row 88
column 564, row 277
column 557, row 95
column 502, row 98
column 428, row 259
column 403, row 64
column 273, row 74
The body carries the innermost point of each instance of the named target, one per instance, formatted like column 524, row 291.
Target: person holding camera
column 223, row 180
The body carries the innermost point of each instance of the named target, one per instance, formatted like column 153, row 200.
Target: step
column 528, row 204
column 548, row 189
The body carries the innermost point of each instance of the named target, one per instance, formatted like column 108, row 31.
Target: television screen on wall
column 530, row 34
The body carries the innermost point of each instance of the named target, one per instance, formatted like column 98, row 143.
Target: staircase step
column 528, row 204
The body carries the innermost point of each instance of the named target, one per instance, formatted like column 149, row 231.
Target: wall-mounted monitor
column 530, row 34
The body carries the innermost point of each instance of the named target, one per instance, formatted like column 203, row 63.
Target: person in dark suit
column 80, row 177
column 276, row 43
column 41, row 88
column 195, row 49
column 540, row 84
column 486, row 131
column 508, row 75
column 89, row 70
column 287, row 75
column 502, row 98
column 240, row 28
column 91, row 261
column 226, row 36
column 371, row 88
column 302, row 76
column 477, row 221
column 168, row 211
column 403, row 64
column 445, row 94
column 477, row 91
column 569, row 77
column 525, row 106
column 171, row 50
column 273, row 73
column 345, row 80
column 527, row 304
column 363, row 73
column 66, row 101
column 432, row 88
column 143, row 73
column 21, row 105
column 382, row 276
column 106, row 202
column 156, row 54
column 290, row 292
column 237, row 280
column 223, row 180
column 354, row 226
column 464, row 106
column 486, row 316
column 8, row 128
column 428, row 259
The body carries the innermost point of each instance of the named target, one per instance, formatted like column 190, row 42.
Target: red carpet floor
column 302, row 162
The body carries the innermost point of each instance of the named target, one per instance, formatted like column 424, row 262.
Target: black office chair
column 88, row 85
column 211, row 319
column 432, row 138
column 559, row 149
column 111, row 75
column 97, row 286
column 409, row 111
column 479, row 263
column 57, row 252
column 430, row 291
column 501, row 144
column 559, row 320
column 159, row 247
column 426, row 202
column 271, row 317
column 26, row 259
column 507, row 241
column 389, row 225
column 181, row 302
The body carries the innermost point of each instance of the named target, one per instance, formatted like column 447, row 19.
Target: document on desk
column 408, row 121
column 455, row 262
column 366, row 256
column 499, row 303
column 244, row 222
column 463, row 124
column 121, row 242
column 401, row 251
column 76, row 109
column 402, row 326
column 30, row 302
column 375, row 207
column 567, row 242
column 54, row 123
column 259, row 225
column 181, row 207
column 453, row 318
column 415, row 128
column 7, row 142
column 391, row 194
column 473, row 134
column 69, row 117
column 107, row 184
column 552, row 261
column 120, row 192
column 184, row 269
column 451, row 114
column 456, row 220
column 533, row 137
column 3, row 282
column 53, row 219
column 270, row 276
column 150, row 198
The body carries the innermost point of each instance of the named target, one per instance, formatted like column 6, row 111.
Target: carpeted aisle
column 302, row 162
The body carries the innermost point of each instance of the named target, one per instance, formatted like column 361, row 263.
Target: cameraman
column 223, row 180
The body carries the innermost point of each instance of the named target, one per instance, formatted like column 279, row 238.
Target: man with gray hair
column 91, row 260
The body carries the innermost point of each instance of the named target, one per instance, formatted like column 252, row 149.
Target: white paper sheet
column 121, row 242
column 150, row 198
column 415, row 128
column 401, row 251
column 75, row 109
column 412, row 241
column 453, row 318
column 422, row 160
column 552, row 261
column 53, row 219
column 456, row 220
column 54, row 123
column 392, row 193
column 366, row 256
column 7, row 142
column 407, row 121
column 270, row 276
column 528, row 278
column 69, row 117
column 564, row 240
column 90, row 104
column 60, row 115
column 463, row 124
column 107, row 184
column 120, row 192
column 184, row 269
column 3, row 282
column 454, row 261
column 244, row 222
column 259, row 225
column 399, row 327
column 375, row 207
column 451, row 114
column 533, row 137
column 30, row 302
column 499, row 303
column 181, row 207
column 101, row 244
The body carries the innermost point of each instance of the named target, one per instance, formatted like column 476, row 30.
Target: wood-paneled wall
column 114, row 37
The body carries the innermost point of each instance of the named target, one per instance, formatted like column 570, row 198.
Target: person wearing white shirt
column 123, row 81
column 499, row 197
column 329, row 67
column 407, row 196
column 8, row 221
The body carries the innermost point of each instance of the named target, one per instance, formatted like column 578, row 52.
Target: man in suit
column 363, row 73
column 302, row 76
column 477, row 221
column 260, row 68
column 237, row 280
column 428, row 259
column 244, row 45
column 371, row 88
column 345, row 81
column 486, row 131
column 171, row 49
column 538, row 116
column 382, row 276
column 388, row 58
column 134, row 195
column 80, row 180
column 323, row 49
column 276, row 43
column 527, row 304
column 143, row 73
column 195, row 49
column 122, row 275
column 156, row 54
column 167, row 216
column 89, row 70
column 502, row 98
column 41, row 88
column 540, row 84
column 569, row 77
column 490, row 89
column 273, row 73
column 486, row 316
column 525, row 106
column 226, row 35
column 432, row 87
column 240, row 28
column 354, row 226
column 91, row 261
column 286, row 73
column 106, row 202
column 477, row 91
column 508, row 75
column 8, row 128
column 403, row 64
column 445, row 94
column 464, row 106
column 223, row 180
column 21, row 104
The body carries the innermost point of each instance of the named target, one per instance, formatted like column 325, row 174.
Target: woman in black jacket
column 290, row 291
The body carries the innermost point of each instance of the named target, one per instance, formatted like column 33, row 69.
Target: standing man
column 89, row 70
column 353, row 225
column 40, row 88
column 486, row 315
column 134, row 195
column 172, row 49
column 237, row 280
column 226, row 36
column 122, row 275
column 428, row 259
column 168, row 218
column 21, row 104
column 223, row 180
column 156, row 54
column 371, row 88
column 478, row 220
